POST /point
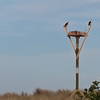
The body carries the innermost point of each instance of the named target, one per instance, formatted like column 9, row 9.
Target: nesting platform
column 77, row 34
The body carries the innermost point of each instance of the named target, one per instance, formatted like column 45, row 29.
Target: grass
column 41, row 94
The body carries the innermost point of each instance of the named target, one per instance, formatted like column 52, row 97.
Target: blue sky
column 33, row 50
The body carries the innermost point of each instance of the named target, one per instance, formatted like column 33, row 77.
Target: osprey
column 89, row 23
column 66, row 24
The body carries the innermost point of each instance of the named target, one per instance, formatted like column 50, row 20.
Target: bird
column 66, row 24
column 89, row 23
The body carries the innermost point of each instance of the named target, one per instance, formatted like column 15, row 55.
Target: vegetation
column 93, row 93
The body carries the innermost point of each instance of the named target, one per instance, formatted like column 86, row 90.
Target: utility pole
column 77, row 48
column 77, row 62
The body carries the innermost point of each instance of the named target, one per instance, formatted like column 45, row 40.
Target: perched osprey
column 66, row 24
column 89, row 23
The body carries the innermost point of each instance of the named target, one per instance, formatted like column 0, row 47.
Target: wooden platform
column 77, row 34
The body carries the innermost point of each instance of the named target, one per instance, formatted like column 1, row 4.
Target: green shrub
column 93, row 93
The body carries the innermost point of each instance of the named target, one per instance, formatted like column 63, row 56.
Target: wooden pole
column 77, row 63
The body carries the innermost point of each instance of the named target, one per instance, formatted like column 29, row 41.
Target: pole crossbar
column 74, row 46
column 72, row 43
column 81, row 47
